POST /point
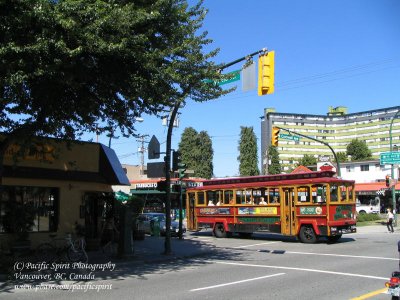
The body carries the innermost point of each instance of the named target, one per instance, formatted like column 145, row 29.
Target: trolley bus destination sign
column 390, row 158
column 289, row 137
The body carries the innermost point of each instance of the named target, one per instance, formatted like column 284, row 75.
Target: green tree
column 274, row 167
column 307, row 160
column 205, row 159
column 72, row 66
column 341, row 156
column 196, row 151
column 248, row 158
column 358, row 150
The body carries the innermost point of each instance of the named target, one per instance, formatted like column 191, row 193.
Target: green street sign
column 289, row 137
column 390, row 158
column 234, row 76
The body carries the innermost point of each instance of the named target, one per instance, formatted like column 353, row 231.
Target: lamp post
column 394, row 185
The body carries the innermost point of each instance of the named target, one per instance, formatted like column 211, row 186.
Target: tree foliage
column 307, row 160
column 274, row 167
column 248, row 158
column 341, row 156
column 358, row 150
column 72, row 66
column 197, row 152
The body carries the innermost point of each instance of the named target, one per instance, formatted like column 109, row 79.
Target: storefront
column 371, row 190
column 56, row 185
column 154, row 200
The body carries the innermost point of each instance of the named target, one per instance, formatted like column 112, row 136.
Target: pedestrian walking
column 389, row 220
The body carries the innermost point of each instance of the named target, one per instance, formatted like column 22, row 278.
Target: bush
column 368, row 217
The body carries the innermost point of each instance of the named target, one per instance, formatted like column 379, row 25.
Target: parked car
column 148, row 220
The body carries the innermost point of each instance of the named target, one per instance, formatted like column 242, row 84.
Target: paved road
column 265, row 267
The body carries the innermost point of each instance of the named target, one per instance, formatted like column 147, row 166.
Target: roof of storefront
column 373, row 186
column 109, row 169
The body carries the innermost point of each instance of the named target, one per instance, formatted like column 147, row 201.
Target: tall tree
column 205, row 160
column 341, row 156
column 274, row 167
column 307, row 160
column 196, row 151
column 358, row 150
column 73, row 66
column 248, row 158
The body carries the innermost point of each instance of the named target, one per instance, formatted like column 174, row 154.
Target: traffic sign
column 234, row 76
column 390, row 158
column 289, row 137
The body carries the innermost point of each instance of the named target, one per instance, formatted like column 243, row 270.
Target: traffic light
column 387, row 179
column 266, row 73
column 182, row 169
column 275, row 136
column 176, row 159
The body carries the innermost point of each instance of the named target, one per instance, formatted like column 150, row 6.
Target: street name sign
column 234, row 76
column 289, row 137
column 390, row 158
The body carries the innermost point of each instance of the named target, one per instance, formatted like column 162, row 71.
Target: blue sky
column 327, row 53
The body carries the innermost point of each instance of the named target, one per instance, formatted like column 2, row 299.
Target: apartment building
column 337, row 128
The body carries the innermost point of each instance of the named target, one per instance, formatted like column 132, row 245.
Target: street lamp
column 394, row 185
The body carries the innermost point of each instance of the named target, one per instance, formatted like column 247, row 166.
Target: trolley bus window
column 350, row 191
column 257, row 194
column 303, row 194
column 318, row 193
column 334, row 193
column 240, row 197
column 228, row 197
column 273, row 196
column 346, row 193
column 200, row 198
column 214, row 198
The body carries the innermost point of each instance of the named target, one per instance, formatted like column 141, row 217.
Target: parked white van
column 372, row 206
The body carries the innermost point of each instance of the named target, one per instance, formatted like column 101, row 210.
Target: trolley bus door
column 191, row 221
column 288, row 212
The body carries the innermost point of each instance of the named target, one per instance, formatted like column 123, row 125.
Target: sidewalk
column 152, row 249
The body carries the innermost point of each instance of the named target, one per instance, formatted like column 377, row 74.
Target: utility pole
column 142, row 150
column 392, row 170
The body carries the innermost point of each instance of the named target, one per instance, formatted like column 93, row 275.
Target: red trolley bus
column 306, row 205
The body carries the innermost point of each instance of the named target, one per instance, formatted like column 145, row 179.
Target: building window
column 35, row 205
column 349, row 169
column 364, row 168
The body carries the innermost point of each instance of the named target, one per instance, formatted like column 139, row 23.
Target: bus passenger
column 262, row 202
column 275, row 200
column 218, row 203
column 210, row 203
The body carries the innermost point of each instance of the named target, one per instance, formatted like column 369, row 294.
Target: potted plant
column 19, row 220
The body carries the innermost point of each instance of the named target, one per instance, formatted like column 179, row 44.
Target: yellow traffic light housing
column 275, row 136
column 266, row 73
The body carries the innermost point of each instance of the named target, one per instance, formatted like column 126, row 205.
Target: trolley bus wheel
column 307, row 235
column 219, row 230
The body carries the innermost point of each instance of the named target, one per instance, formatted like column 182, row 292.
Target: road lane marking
column 371, row 294
column 343, row 255
column 235, row 282
column 245, row 246
column 302, row 269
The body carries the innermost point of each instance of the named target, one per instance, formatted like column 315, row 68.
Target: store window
column 36, row 206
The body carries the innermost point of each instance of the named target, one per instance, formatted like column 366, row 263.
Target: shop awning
column 369, row 187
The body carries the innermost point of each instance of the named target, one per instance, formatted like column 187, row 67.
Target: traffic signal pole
column 167, row 243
